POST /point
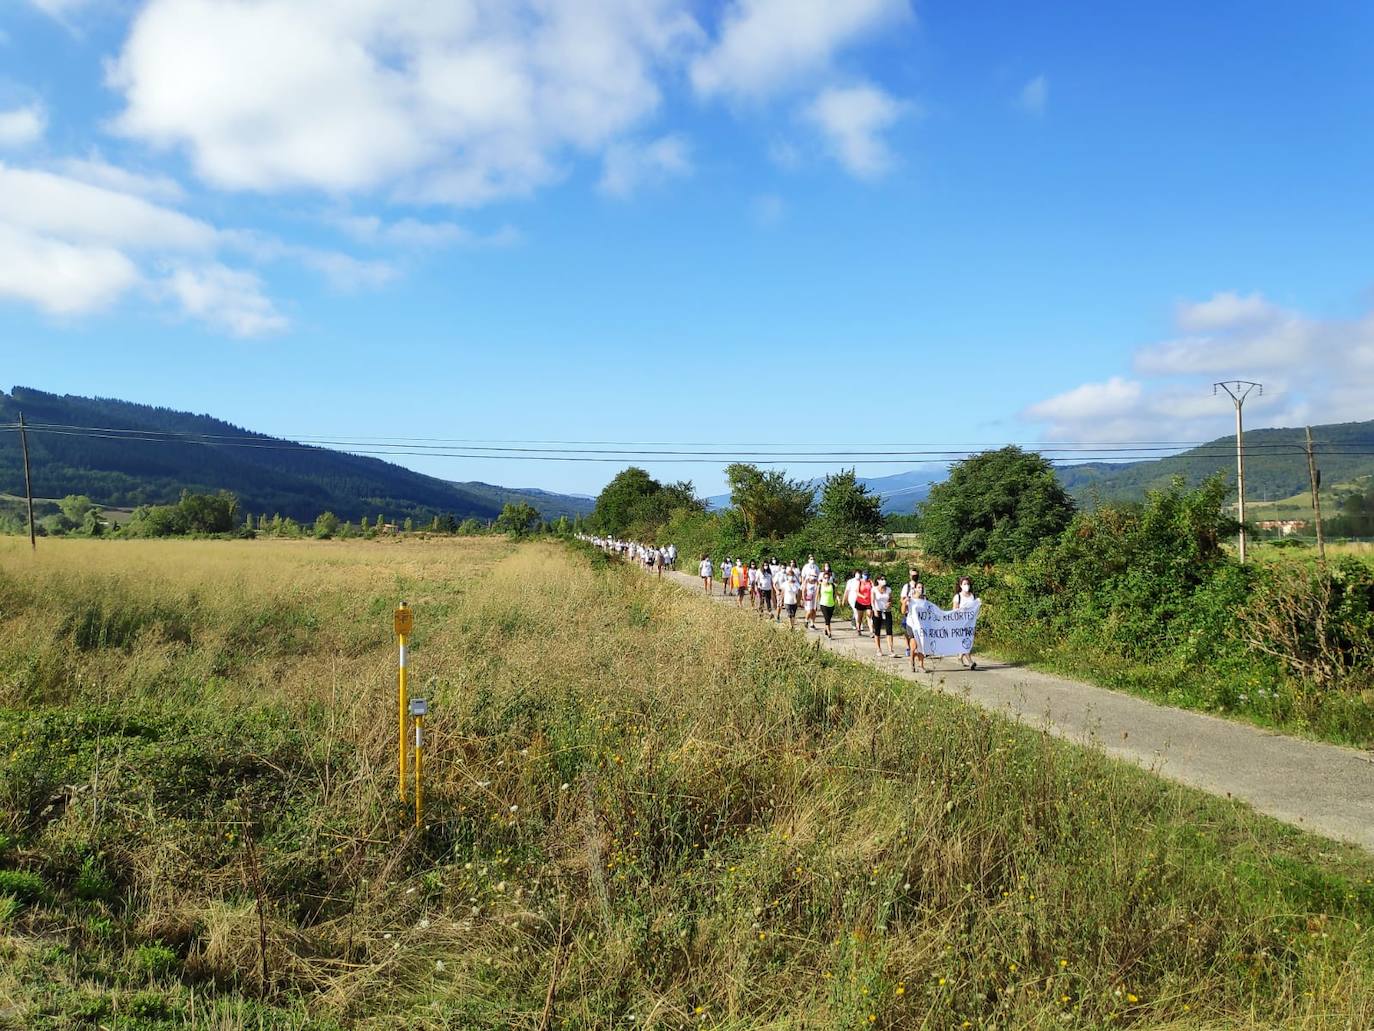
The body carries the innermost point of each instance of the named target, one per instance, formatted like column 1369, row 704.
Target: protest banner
column 943, row 633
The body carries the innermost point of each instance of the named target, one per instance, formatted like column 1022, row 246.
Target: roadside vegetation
column 1142, row 596
column 643, row 810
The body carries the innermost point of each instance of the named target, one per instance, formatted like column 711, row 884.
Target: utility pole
column 1238, row 390
column 1315, row 476
column 28, row 480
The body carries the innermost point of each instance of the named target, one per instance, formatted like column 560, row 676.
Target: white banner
column 943, row 633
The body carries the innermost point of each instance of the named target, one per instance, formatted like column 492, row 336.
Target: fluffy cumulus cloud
column 460, row 103
column 1313, row 370
column 379, row 110
column 768, row 45
column 79, row 235
column 852, row 120
column 231, row 299
column 22, row 126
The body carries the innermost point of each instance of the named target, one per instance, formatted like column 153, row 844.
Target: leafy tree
column 622, row 500
column 469, row 527
column 997, row 506
column 848, row 512
column 409, row 525
column 517, row 519
column 770, row 504
column 75, row 507
column 326, row 525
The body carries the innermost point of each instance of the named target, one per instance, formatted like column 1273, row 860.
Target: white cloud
column 231, row 299
column 851, row 119
column 96, row 171
column 1313, row 369
column 1034, row 96
column 74, row 243
column 1088, row 402
column 58, row 206
column 61, row 278
column 22, row 126
column 628, row 166
column 459, row 103
column 1225, row 310
column 768, row 45
column 1233, row 333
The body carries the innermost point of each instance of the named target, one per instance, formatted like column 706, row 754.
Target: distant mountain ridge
column 1275, row 467
column 268, row 474
column 1275, row 464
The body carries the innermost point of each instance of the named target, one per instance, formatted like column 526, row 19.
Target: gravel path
column 1321, row 788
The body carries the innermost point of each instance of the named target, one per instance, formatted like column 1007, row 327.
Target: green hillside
column 267, row 474
column 1275, row 465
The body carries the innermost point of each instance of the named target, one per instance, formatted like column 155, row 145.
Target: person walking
column 808, row 594
column 851, row 595
column 790, row 592
column 765, row 590
column 863, row 601
column 882, row 616
column 741, row 582
column 826, row 597
column 913, row 594
column 706, row 570
column 964, row 598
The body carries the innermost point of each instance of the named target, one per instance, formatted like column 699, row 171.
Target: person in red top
column 863, row 601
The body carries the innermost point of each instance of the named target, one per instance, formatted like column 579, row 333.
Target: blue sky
column 911, row 224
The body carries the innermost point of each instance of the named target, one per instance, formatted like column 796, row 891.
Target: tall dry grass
column 643, row 811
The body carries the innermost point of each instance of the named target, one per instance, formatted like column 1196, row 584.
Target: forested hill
column 267, row 474
column 1275, row 464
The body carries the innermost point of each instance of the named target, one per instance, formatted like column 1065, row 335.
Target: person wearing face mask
column 826, row 596
column 882, row 615
column 912, row 592
column 962, row 599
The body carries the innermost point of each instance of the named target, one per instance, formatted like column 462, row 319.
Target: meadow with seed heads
column 643, row 811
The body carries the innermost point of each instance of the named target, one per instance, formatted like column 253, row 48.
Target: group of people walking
column 810, row 591
column 776, row 589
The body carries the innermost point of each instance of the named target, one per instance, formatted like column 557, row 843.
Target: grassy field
column 644, row 811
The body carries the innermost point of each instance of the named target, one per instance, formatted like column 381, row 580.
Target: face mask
column 966, row 588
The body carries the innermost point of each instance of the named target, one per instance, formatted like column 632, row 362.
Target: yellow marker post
column 404, row 622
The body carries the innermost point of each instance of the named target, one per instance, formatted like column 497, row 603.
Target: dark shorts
column 792, row 609
column 882, row 622
column 861, row 607
column 742, row 591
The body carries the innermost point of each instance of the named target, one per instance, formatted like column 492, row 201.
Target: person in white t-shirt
column 909, row 595
column 963, row 598
column 765, row 590
column 882, row 615
column 810, row 569
column 707, row 571
column 851, row 595
column 791, row 592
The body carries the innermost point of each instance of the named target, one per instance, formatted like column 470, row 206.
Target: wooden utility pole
column 1315, row 476
column 28, row 481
